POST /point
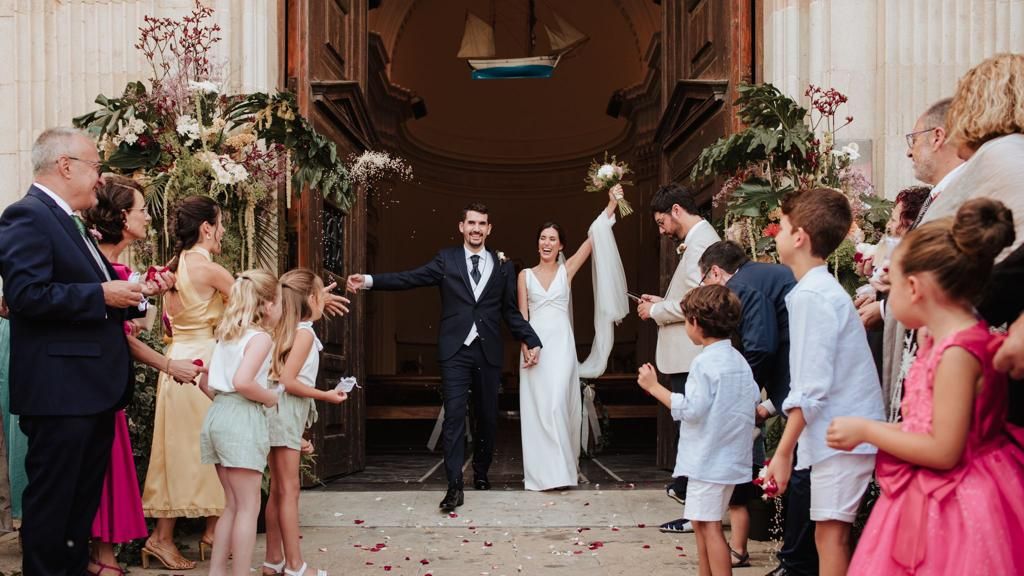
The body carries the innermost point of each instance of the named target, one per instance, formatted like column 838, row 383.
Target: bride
column 549, row 392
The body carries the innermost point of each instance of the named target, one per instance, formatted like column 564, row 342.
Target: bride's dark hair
column 555, row 225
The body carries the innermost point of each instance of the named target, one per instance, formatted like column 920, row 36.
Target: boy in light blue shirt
column 716, row 419
column 832, row 373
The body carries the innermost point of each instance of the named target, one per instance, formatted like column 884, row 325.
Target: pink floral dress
column 967, row 520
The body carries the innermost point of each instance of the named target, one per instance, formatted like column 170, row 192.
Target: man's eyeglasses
column 94, row 163
column 913, row 136
column 705, row 277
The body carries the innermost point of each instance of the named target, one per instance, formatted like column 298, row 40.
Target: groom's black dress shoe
column 452, row 498
column 481, row 483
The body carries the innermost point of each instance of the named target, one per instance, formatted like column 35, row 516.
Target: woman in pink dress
column 118, row 219
column 952, row 473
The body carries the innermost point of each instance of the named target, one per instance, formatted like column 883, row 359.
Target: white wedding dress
column 549, row 392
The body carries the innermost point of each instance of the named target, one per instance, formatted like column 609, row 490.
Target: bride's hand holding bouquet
column 609, row 177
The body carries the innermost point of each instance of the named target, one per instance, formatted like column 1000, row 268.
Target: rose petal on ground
column 358, row 521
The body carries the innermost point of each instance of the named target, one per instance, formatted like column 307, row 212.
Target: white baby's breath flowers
column 371, row 167
column 606, row 171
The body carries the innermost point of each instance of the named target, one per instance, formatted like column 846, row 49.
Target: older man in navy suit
column 478, row 291
column 70, row 368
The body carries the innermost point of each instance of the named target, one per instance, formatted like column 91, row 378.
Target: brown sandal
column 171, row 561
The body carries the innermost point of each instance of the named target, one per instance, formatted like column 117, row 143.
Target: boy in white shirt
column 716, row 419
column 832, row 373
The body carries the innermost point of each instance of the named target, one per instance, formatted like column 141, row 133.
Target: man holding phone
column 675, row 212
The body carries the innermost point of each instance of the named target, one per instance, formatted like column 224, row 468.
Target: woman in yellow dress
column 178, row 484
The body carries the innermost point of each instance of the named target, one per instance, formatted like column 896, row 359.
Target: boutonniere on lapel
column 501, row 256
column 681, row 248
column 96, row 234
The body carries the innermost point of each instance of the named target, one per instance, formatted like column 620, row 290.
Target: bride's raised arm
column 576, row 261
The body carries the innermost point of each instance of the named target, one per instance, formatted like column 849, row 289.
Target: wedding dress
column 549, row 392
column 550, row 406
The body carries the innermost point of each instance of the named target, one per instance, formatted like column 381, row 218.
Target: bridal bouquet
column 602, row 177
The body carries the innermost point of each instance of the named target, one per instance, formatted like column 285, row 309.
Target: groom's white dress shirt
column 675, row 350
column 485, row 266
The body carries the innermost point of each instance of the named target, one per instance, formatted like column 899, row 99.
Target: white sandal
column 299, row 572
column 277, row 568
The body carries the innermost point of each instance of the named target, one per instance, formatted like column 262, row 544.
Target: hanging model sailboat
column 478, row 50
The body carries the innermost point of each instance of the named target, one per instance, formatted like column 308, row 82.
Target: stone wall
column 57, row 55
column 891, row 57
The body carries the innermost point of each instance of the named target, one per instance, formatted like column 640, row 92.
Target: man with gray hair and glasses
column 70, row 368
column 936, row 163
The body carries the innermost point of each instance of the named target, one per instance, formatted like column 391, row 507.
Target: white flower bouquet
column 602, row 177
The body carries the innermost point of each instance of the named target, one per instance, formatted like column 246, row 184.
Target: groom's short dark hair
column 475, row 207
column 671, row 194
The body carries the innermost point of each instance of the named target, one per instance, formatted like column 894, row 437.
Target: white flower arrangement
column 205, row 86
column 188, row 128
column 226, row 170
column 128, row 130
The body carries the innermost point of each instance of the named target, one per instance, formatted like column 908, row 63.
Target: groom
column 478, row 289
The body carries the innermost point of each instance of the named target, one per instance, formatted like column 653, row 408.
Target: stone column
column 891, row 57
column 60, row 54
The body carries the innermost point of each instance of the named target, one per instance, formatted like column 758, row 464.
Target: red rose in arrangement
column 771, row 230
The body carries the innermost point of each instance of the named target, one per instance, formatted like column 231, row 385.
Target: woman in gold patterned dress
column 177, row 483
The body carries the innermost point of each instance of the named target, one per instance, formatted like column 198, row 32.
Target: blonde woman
column 986, row 122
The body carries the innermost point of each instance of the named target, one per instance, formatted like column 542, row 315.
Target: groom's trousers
column 468, row 371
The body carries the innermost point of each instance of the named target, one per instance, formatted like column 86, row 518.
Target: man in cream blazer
column 675, row 212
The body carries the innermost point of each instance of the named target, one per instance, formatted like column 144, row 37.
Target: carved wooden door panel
column 709, row 48
column 325, row 48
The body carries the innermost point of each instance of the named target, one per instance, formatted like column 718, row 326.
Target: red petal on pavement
column 647, row 546
column 641, row 525
column 586, row 503
column 464, row 541
column 453, row 515
column 615, row 529
column 387, row 568
column 577, row 551
column 680, row 548
column 358, row 521
column 424, row 561
column 368, row 563
column 488, row 544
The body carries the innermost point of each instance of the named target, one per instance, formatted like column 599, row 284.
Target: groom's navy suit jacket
column 69, row 355
column 459, row 309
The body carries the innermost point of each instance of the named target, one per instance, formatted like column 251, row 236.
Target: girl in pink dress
column 952, row 473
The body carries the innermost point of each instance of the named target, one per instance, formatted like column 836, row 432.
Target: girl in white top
column 296, row 360
column 716, row 419
column 234, row 435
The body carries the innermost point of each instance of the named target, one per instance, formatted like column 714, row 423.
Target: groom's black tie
column 475, row 273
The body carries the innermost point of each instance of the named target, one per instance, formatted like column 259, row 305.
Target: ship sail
column 478, row 39
column 563, row 37
column 478, row 50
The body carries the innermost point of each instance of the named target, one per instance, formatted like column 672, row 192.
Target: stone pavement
column 591, row 532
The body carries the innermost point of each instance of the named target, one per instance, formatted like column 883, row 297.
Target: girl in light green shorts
column 296, row 360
